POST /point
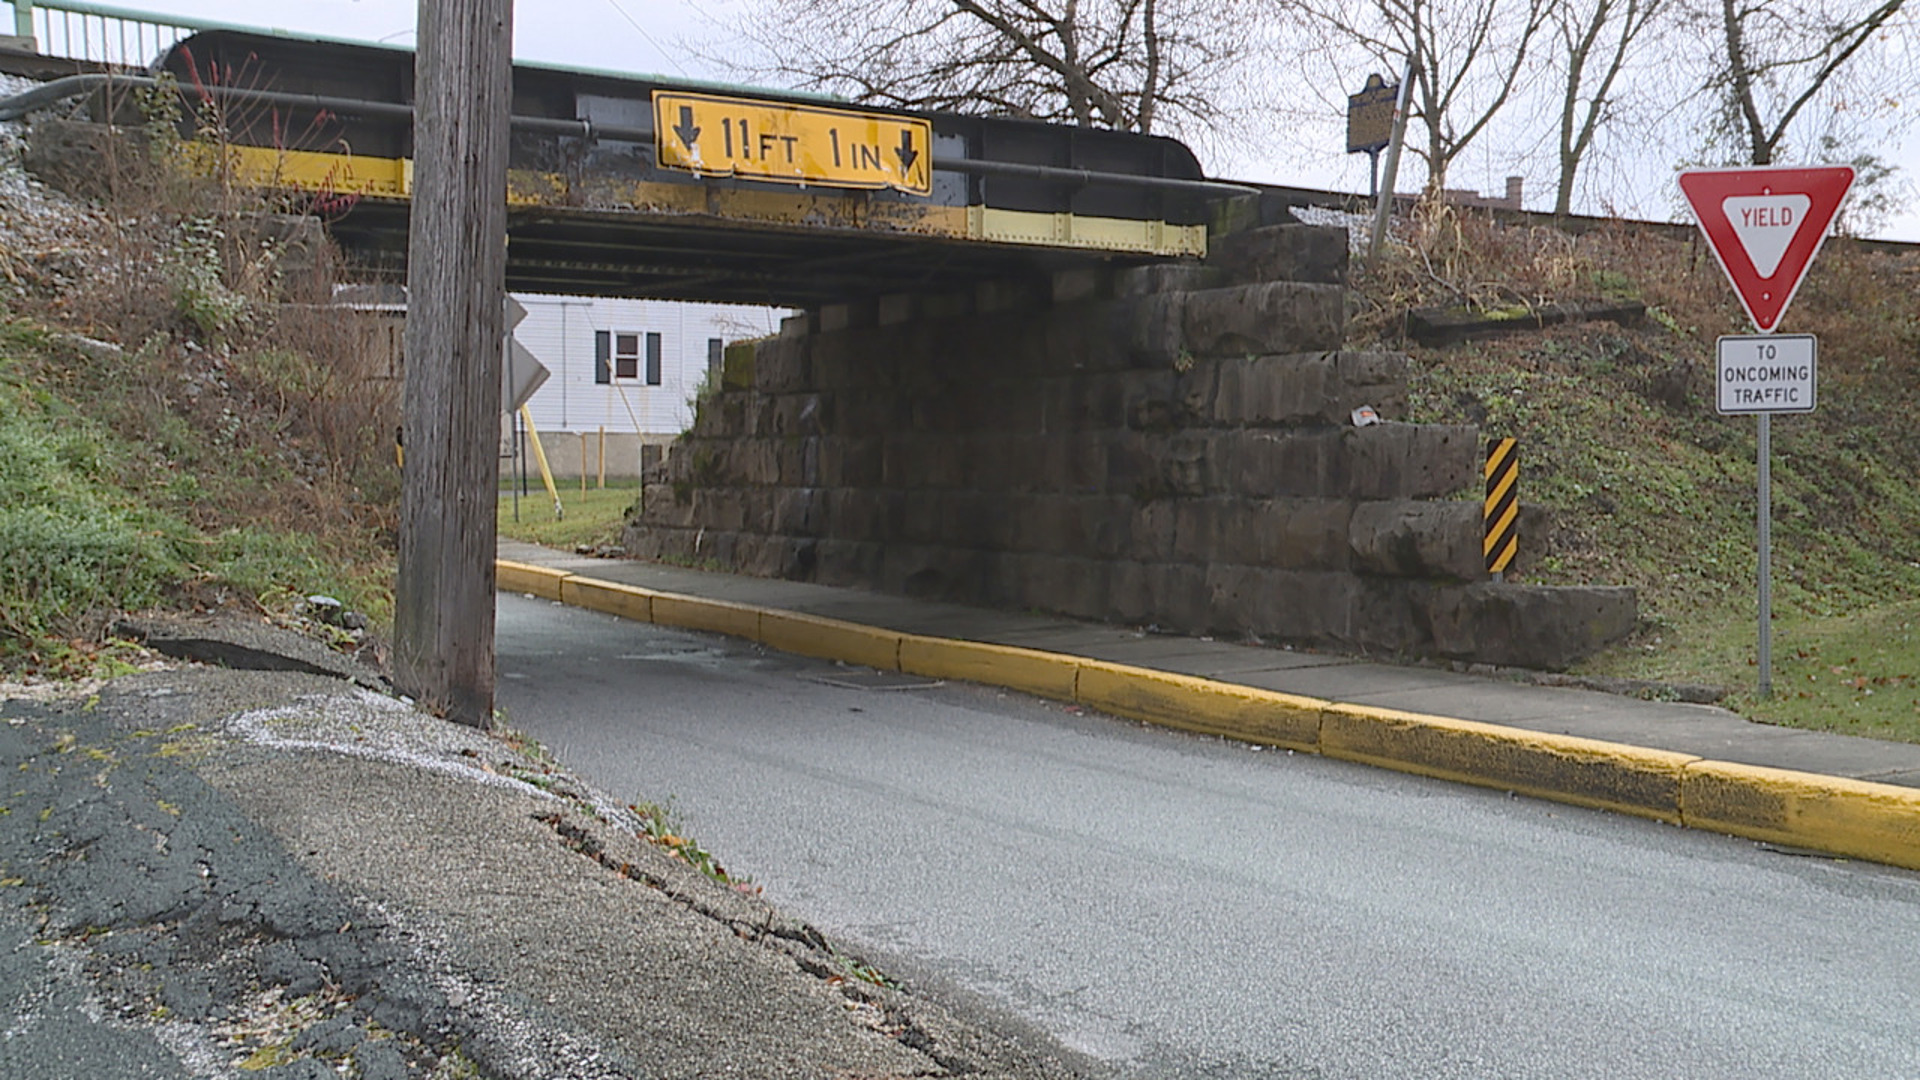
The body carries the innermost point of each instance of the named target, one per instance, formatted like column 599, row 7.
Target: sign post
column 1383, row 200
column 1765, row 225
column 1763, row 375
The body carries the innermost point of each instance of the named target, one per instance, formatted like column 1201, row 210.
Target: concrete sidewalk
column 1691, row 764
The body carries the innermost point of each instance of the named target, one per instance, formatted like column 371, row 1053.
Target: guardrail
column 103, row 34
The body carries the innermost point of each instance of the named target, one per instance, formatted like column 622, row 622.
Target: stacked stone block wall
column 1168, row 445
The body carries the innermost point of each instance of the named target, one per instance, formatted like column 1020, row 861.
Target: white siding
column 560, row 332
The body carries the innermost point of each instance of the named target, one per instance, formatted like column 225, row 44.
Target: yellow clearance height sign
column 795, row 144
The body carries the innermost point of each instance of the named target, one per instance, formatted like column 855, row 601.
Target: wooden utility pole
column 456, row 288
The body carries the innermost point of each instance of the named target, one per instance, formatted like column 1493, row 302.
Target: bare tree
column 1775, row 59
column 1469, row 58
column 1133, row 65
column 1596, row 39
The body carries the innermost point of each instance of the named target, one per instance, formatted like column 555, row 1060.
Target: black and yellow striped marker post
column 1502, row 510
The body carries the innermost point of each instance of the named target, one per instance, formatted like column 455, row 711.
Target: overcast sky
column 643, row 36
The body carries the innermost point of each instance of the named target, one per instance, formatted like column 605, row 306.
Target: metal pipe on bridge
column 73, row 86
column 1090, row 178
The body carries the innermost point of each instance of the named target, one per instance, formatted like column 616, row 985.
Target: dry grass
column 1858, row 300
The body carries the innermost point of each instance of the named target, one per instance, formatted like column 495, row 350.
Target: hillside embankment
column 182, row 426
column 1642, row 483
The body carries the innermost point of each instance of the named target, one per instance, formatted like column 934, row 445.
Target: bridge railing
column 102, row 33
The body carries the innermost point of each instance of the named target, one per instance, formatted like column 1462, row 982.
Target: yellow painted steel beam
column 392, row 178
column 306, row 170
column 540, row 457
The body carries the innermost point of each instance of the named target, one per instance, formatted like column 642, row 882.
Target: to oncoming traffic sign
column 1767, row 373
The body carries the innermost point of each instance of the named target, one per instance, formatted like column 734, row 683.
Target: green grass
column 662, row 826
column 76, row 541
column 590, row 518
column 1856, row 672
column 1648, row 487
column 100, row 512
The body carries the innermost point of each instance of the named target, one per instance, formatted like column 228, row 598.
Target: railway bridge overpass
column 1037, row 366
column 636, row 186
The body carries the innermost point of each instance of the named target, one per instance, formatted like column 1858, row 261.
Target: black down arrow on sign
column 907, row 154
column 688, row 131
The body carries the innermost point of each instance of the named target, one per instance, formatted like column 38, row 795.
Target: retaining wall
column 1169, row 445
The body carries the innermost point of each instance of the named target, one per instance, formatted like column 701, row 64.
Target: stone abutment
column 1170, row 445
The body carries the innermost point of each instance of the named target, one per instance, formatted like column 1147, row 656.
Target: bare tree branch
column 1129, row 64
column 1580, row 35
column 1776, row 59
column 1469, row 57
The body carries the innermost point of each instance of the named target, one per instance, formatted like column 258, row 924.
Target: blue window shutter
column 653, row 359
column 602, row 356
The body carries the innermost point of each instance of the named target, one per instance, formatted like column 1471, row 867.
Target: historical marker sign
column 1765, row 225
column 714, row 135
column 1370, row 116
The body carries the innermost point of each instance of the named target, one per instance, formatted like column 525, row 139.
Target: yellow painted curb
column 831, row 639
column 716, row 616
column 1879, row 822
column 1562, row 768
column 1049, row 675
column 626, row 601
column 519, row 577
column 1195, row 704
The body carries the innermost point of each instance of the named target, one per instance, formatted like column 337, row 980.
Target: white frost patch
column 1359, row 226
column 361, row 723
column 194, row 1045
column 64, row 691
column 531, row 1047
column 48, row 692
column 64, row 961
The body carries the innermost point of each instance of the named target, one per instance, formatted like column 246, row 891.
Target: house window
column 716, row 358
column 617, row 355
column 626, row 355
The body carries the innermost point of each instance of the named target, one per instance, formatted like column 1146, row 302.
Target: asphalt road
column 1183, row 907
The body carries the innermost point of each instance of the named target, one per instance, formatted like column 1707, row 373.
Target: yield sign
column 1765, row 224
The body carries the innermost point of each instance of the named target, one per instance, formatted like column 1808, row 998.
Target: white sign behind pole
column 521, row 373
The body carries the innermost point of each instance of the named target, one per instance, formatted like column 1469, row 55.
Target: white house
column 624, row 373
